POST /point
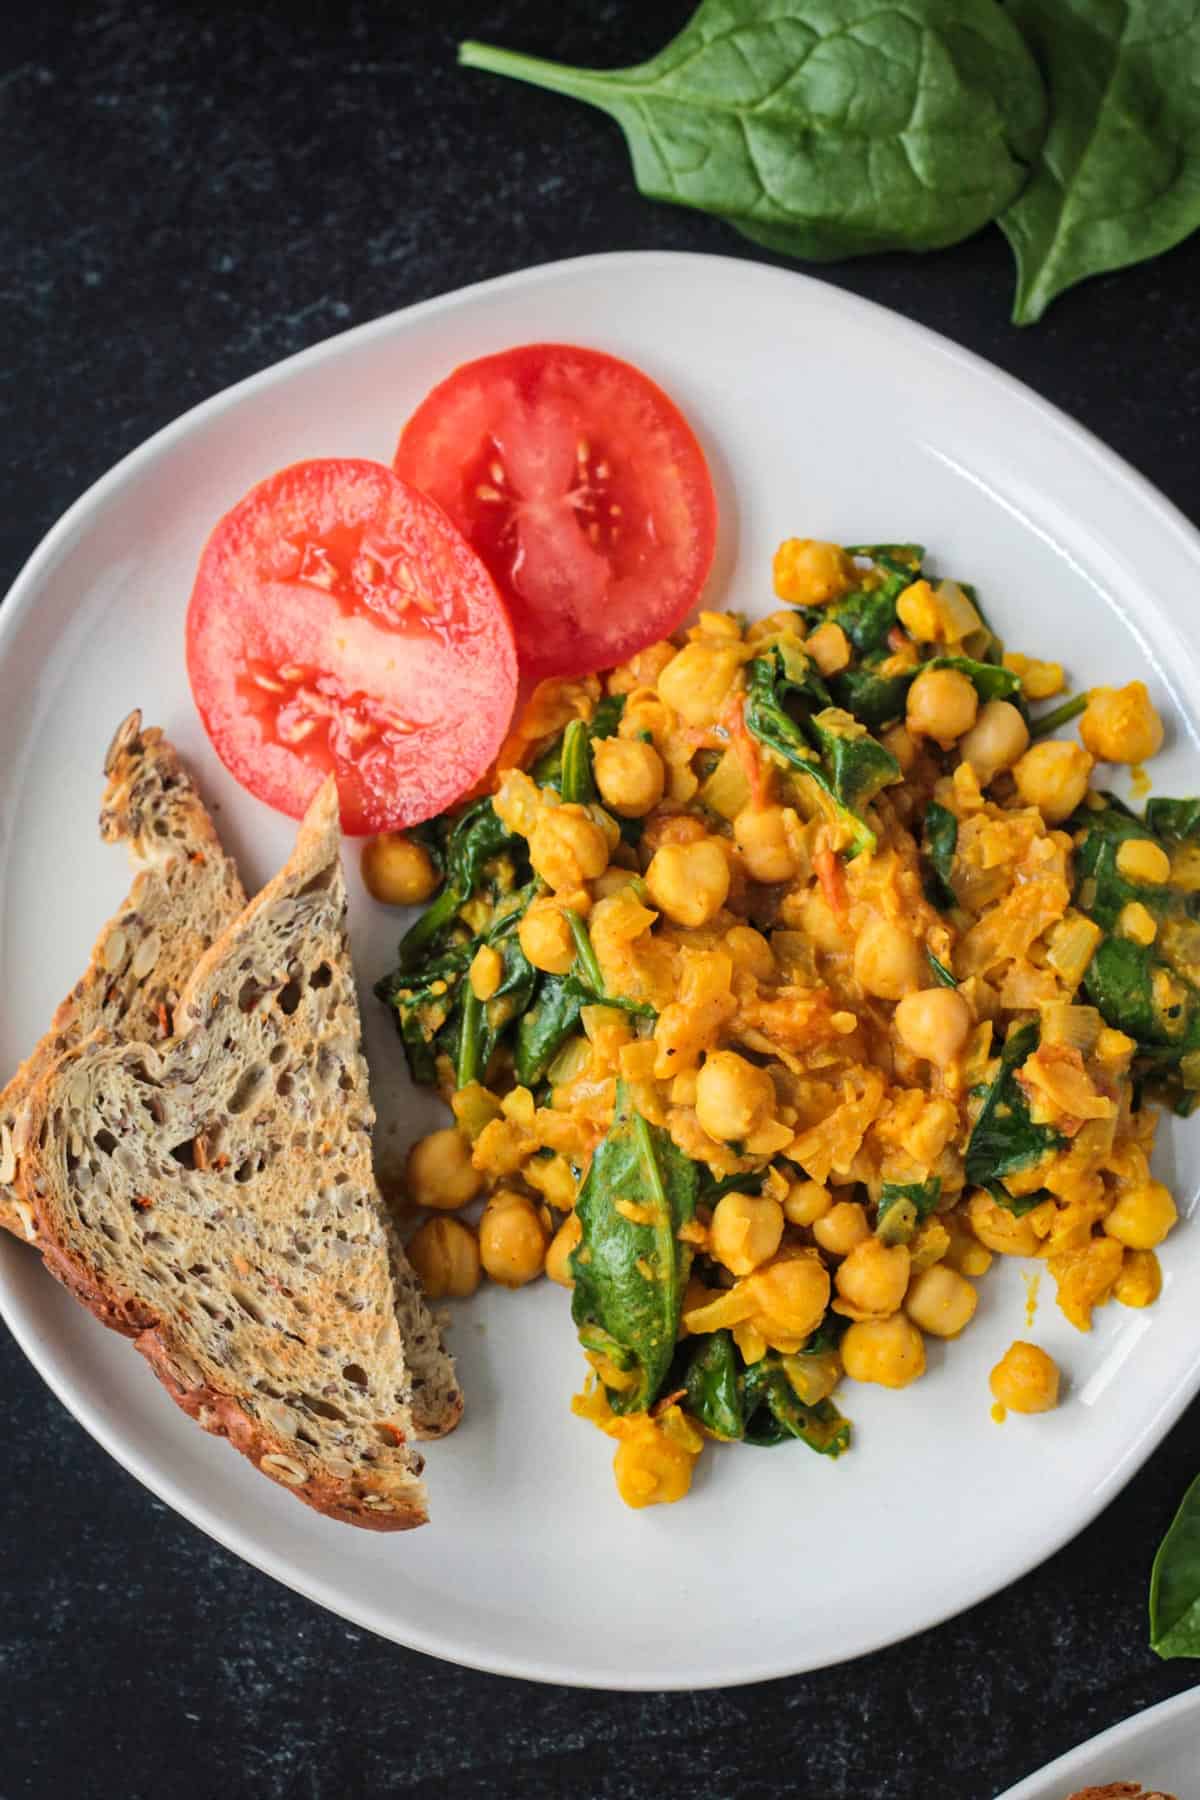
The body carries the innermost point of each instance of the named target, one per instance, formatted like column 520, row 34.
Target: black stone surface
column 190, row 192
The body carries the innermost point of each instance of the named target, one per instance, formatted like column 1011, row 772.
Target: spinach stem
column 585, row 955
column 1062, row 715
column 468, row 1043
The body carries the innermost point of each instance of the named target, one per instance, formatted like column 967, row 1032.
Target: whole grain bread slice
column 185, row 892
column 213, row 1197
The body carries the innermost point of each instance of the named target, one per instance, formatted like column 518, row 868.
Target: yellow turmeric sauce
column 812, row 998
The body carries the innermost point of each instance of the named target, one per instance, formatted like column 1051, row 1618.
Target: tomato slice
column 340, row 622
column 582, row 487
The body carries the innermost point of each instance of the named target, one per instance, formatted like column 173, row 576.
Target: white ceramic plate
column 824, row 415
column 1159, row 1747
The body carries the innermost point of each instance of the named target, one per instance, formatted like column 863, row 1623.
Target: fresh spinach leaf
column 714, row 1393
column 1005, row 1139
column 905, row 1205
column 824, row 128
column 1175, row 1583
column 630, row 1276
column 1117, row 179
column 939, row 840
column 773, row 1413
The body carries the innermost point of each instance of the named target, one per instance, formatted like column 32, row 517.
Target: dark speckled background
column 188, row 193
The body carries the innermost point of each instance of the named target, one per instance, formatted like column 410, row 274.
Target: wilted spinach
column 547, row 771
column 630, row 1273
column 1005, row 1139
column 939, row 840
column 825, row 744
column 905, row 1205
column 824, row 128
column 755, row 1403
column 1118, row 176
column 476, row 836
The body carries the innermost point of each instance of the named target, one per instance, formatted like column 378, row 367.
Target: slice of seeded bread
column 184, row 894
column 213, row 1198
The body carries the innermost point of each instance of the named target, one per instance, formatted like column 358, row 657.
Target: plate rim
column 878, row 319
column 1073, row 1763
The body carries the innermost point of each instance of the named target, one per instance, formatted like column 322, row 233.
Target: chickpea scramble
column 789, row 972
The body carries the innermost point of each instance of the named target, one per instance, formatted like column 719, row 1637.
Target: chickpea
column 890, row 1352
column 397, row 871
column 999, row 1229
column 1025, row 1380
column 545, row 938
column 792, row 1294
column 887, row 960
column 829, row 648
column 873, row 1278
column 439, row 1173
column 445, row 1254
column 689, row 882
column 1140, row 1280
column 934, row 1024
column 612, row 881
column 696, row 682
column 898, row 739
column 805, row 1202
column 651, row 1467
column 998, row 739
column 1143, row 861
column 942, row 704
column 809, row 572
column 629, row 774
column 733, row 1096
column 566, row 847
column 1121, row 725
column 745, row 1231
column 512, row 1239
column 558, row 1257
column 941, row 1301
column 1142, row 1216
column 1054, row 778
column 842, row 1228
column 761, row 834
column 486, row 972
column 751, row 951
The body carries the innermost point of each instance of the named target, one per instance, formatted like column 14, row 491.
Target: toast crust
column 103, row 1084
column 184, row 893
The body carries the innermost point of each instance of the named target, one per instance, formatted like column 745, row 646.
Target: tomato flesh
column 339, row 622
column 584, row 490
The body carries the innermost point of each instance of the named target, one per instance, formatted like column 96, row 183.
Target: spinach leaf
column 476, row 837
column 1175, row 1583
column 773, row 1413
column 991, row 681
column 547, row 771
column 713, row 1186
column 1174, row 821
column 577, row 785
column 630, row 1276
column 903, row 1206
column 824, row 128
column 1118, row 177
column 874, row 699
column 939, row 840
column 714, row 1392
column 828, row 746
column 941, row 974
column 546, row 1024
column 1120, row 982
column 1005, row 1139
